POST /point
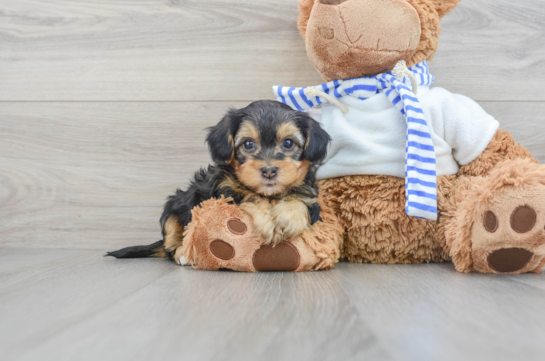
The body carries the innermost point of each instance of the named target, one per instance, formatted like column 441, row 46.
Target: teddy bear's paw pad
column 282, row 257
column 511, row 239
column 509, row 260
column 490, row 222
column 222, row 249
column 523, row 219
column 236, row 226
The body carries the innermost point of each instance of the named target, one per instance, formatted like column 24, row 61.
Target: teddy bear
column 414, row 173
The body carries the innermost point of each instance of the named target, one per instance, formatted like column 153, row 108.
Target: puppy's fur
column 265, row 157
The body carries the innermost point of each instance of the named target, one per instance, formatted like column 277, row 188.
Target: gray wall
column 103, row 104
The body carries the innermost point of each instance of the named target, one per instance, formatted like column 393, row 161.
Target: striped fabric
column 420, row 161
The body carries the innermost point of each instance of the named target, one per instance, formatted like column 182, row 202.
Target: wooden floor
column 77, row 305
column 102, row 111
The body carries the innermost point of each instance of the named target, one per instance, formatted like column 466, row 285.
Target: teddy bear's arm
column 474, row 135
column 468, row 127
column 502, row 147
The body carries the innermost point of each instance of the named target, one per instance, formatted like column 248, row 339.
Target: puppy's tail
column 153, row 250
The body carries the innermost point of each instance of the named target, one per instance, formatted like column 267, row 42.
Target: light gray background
column 102, row 110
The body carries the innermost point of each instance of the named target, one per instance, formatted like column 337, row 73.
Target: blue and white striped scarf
column 420, row 160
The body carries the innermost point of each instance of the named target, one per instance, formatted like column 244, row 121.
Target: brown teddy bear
column 415, row 174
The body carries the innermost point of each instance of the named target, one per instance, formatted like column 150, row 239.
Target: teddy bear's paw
column 508, row 219
column 231, row 244
column 220, row 236
column 222, row 243
column 223, row 236
column 511, row 237
column 278, row 257
column 224, row 250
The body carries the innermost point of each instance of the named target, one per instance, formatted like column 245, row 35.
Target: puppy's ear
column 317, row 139
column 220, row 137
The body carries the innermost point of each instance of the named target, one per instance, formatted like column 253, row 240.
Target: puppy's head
column 270, row 145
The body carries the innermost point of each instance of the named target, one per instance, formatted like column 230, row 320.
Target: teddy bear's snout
column 391, row 25
column 351, row 38
column 327, row 33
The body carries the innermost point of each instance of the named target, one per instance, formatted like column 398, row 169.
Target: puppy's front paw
column 290, row 219
column 264, row 226
column 261, row 215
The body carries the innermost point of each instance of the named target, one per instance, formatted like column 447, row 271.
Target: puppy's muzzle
column 269, row 172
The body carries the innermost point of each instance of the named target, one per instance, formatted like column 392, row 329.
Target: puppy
column 265, row 157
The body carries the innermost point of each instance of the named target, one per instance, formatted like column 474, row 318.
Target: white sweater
column 370, row 138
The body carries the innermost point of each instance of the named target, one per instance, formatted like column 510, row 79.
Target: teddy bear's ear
column 445, row 6
column 305, row 7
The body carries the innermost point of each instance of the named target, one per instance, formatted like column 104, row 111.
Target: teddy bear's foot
column 511, row 238
column 221, row 236
column 500, row 226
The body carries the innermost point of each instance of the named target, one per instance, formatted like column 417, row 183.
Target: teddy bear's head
column 352, row 38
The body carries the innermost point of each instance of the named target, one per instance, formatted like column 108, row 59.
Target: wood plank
column 431, row 312
column 17, row 265
column 212, row 50
column 492, row 50
column 92, row 308
column 59, row 295
column 207, row 315
column 75, row 172
column 524, row 120
column 95, row 175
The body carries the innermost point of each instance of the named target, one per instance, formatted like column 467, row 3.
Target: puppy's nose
column 269, row 172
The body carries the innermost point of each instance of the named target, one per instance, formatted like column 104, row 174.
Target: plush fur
column 264, row 177
column 502, row 188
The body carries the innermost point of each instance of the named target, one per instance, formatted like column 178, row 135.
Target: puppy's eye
column 288, row 144
column 249, row 145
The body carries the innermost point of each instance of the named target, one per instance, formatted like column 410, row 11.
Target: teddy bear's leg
column 221, row 236
column 371, row 209
column 497, row 222
column 494, row 218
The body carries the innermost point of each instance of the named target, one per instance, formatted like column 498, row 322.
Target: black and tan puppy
column 265, row 157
